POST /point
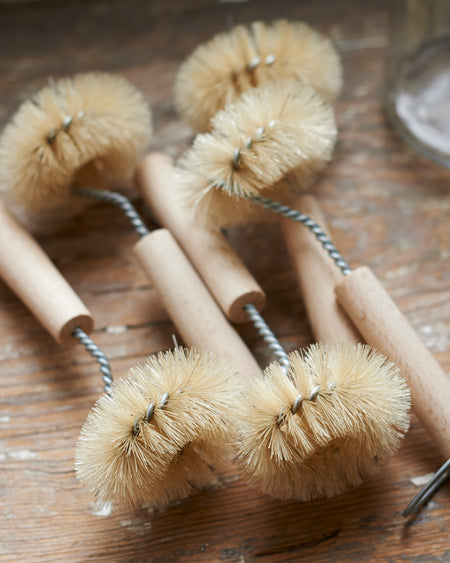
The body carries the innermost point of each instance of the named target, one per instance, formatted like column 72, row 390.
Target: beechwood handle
column 189, row 304
column 221, row 269
column 28, row 271
column 384, row 327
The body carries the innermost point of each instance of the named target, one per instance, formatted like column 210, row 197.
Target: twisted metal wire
column 320, row 235
column 99, row 356
column 268, row 336
column 120, row 201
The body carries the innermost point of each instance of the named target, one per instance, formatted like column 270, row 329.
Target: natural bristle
column 86, row 129
column 272, row 131
column 123, row 456
column 294, row 445
column 219, row 71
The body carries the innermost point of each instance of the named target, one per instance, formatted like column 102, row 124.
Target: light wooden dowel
column 221, row 269
column 189, row 304
column 384, row 327
column 28, row 271
column 317, row 276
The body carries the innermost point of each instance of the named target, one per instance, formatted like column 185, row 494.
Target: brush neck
column 120, row 201
column 268, row 336
column 99, row 356
column 314, row 227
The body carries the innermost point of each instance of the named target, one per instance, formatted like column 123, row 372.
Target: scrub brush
column 62, row 158
column 378, row 320
column 161, row 427
column 318, row 431
column 219, row 71
column 86, row 130
column 284, row 125
column 253, row 55
column 248, row 55
column 153, row 438
column 272, row 411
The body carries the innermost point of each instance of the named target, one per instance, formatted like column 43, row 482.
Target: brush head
column 300, row 441
column 219, row 71
column 85, row 130
column 133, row 453
column 275, row 130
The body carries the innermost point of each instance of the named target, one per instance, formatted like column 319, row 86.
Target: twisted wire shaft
column 99, row 356
column 320, row 235
column 267, row 335
column 120, row 201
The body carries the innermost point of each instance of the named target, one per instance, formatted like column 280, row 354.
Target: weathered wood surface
column 386, row 206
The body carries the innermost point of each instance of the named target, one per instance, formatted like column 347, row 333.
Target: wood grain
column 385, row 206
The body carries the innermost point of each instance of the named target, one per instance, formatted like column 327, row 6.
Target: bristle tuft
column 295, row 446
column 76, row 130
column 219, row 71
column 275, row 130
column 123, row 457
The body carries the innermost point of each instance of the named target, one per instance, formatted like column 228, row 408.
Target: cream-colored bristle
column 333, row 440
column 219, row 71
column 124, row 458
column 275, row 130
column 87, row 129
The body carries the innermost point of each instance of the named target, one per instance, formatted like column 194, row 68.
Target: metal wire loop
column 136, row 427
column 237, row 158
column 253, row 64
column 51, row 136
column 164, row 400
column 297, row 403
column 150, row 411
column 152, row 407
column 67, row 122
column 314, row 393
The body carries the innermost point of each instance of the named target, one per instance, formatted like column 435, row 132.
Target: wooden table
column 387, row 207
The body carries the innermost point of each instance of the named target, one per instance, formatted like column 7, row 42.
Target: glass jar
column 418, row 75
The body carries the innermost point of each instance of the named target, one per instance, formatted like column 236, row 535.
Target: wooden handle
column 32, row 276
column 317, row 276
column 222, row 270
column 188, row 302
column 384, row 327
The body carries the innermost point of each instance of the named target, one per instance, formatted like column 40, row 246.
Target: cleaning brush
column 318, row 276
column 341, row 410
column 87, row 130
column 168, row 421
column 325, row 64
column 258, row 54
column 272, row 413
column 219, row 71
column 336, row 320
column 285, row 125
column 70, row 321
column 154, row 437
column 380, row 323
column 155, row 433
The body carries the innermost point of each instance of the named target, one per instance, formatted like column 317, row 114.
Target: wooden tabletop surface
column 386, row 206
